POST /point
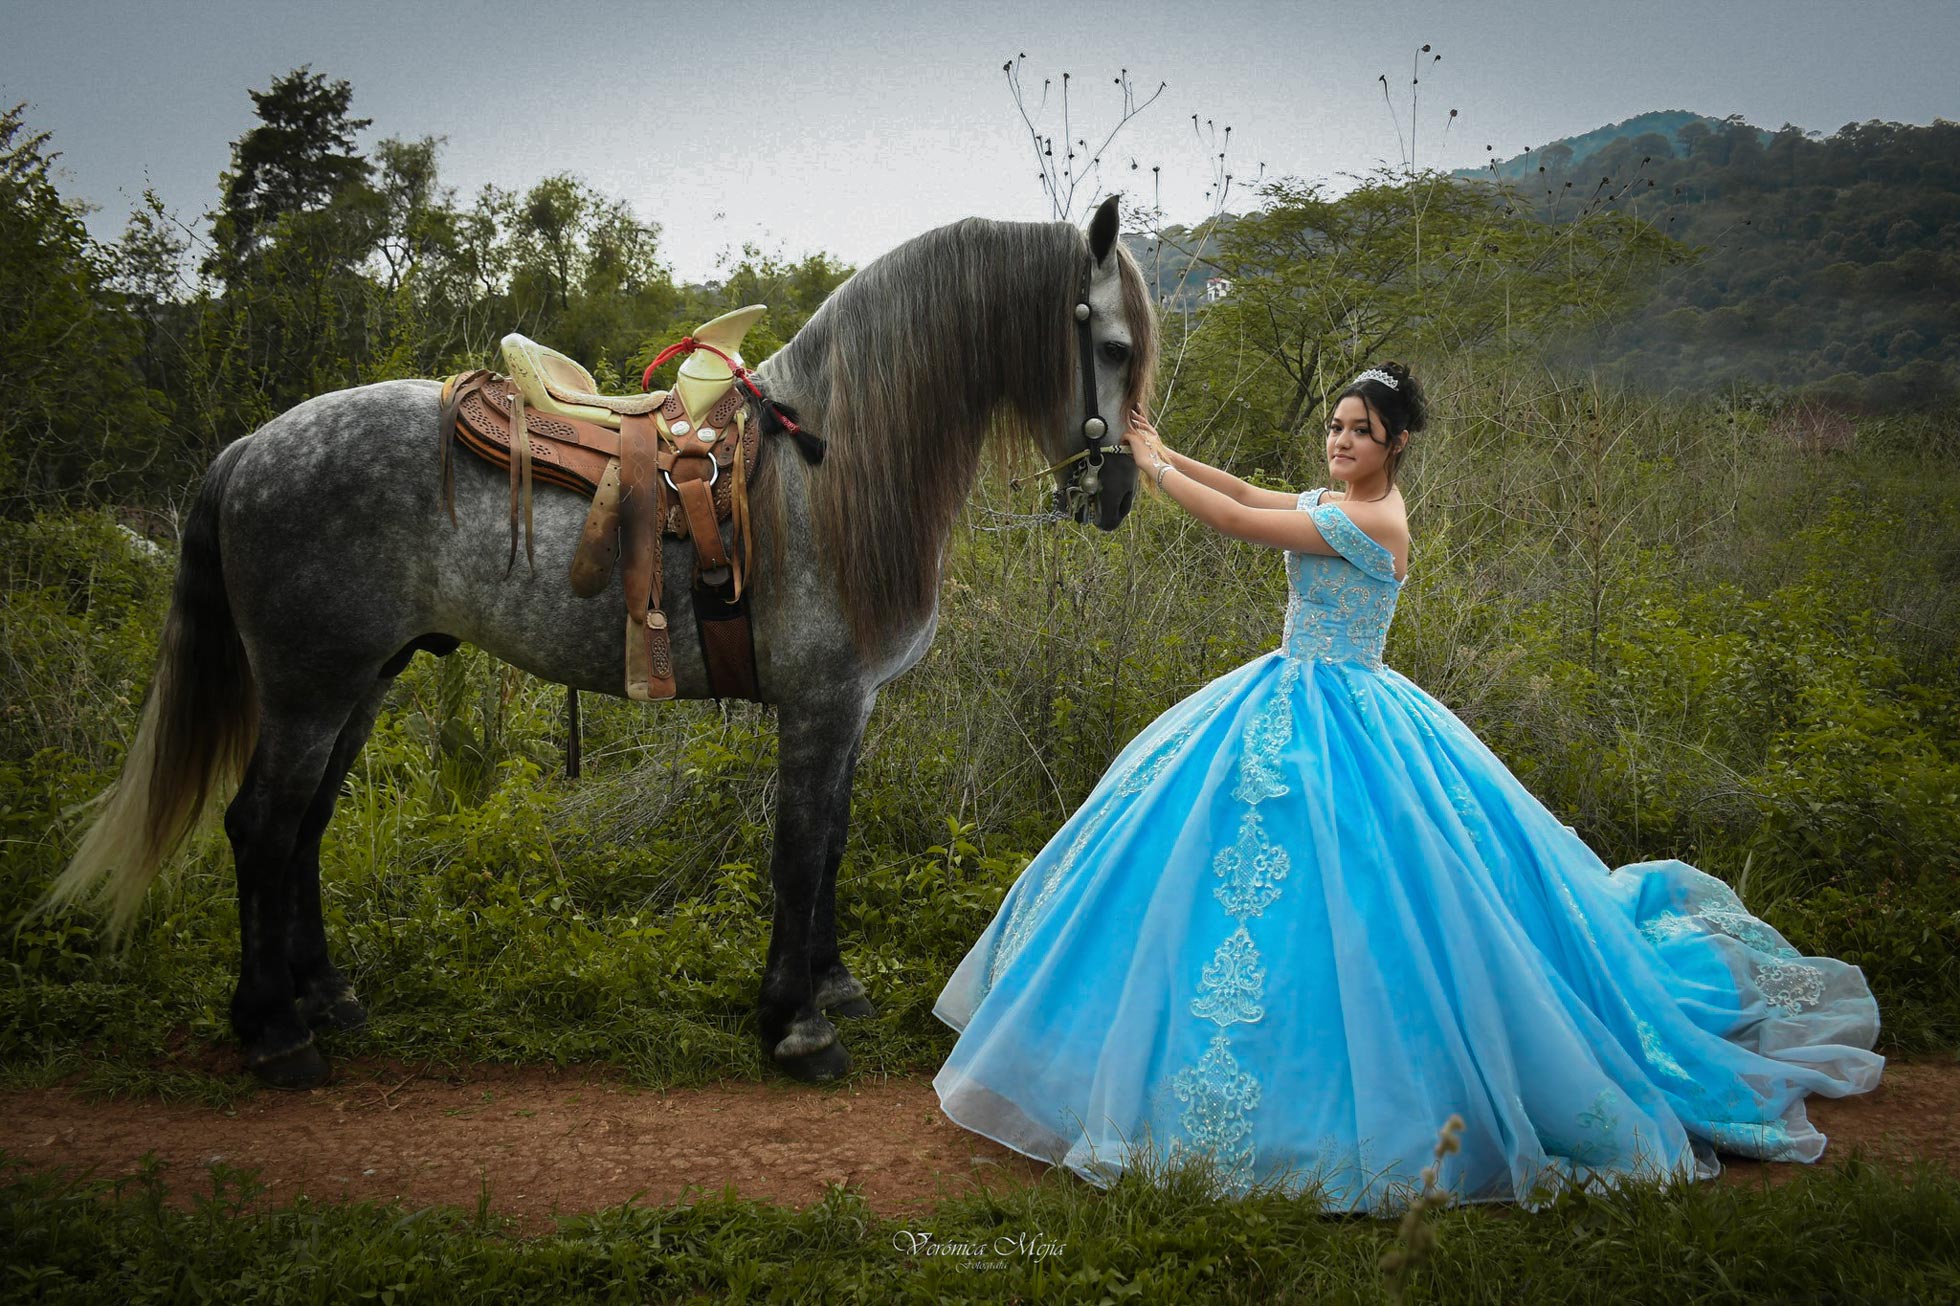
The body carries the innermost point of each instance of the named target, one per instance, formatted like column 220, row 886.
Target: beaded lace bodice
column 1338, row 609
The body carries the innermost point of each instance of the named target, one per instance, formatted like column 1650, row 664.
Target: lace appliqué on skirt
column 1220, row 1099
column 1219, row 1094
column 1014, row 934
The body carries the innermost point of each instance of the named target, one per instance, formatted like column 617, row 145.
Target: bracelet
column 1163, row 467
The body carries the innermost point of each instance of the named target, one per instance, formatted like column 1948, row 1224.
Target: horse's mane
column 909, row 366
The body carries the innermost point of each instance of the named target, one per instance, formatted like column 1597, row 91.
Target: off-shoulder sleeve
column 1308, row 498
column 1351, row 542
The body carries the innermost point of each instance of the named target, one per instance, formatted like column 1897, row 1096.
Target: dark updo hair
column 1401, row 407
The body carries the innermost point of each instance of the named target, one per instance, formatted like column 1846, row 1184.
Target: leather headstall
column 1095, row 429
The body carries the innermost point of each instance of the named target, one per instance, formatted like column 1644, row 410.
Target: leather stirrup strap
column 738, row 503
column 642, row 506
column 729, row 651
column 520, row 483
column 711, row 565
column 598, row 546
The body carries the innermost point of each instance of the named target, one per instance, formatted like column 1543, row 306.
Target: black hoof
column 819, row 1067
column 858, row 1008
column 296, row 1068
column 342, row 1015
column 840, row 994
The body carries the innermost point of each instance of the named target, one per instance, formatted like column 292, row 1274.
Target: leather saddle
column 652, row 471
column 554, row 383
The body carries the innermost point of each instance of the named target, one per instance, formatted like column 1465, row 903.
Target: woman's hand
column 1143, row 439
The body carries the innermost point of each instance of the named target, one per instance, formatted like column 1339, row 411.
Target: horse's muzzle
column 1102, row 495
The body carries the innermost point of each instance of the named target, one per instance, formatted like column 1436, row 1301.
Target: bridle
column 1096, row 444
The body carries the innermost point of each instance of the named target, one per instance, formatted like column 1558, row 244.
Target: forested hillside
column 1666, row 123
column 1829, row 265
column 1822, row 268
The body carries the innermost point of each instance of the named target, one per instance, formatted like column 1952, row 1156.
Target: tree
column 298, row 225
column 417, row 216
column 298, row 159
column 554, row 214
column 77, row 422
column 793, row 289
column 585, row 274
column 1321, row 284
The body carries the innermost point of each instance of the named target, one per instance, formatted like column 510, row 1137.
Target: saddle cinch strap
column 657, row 475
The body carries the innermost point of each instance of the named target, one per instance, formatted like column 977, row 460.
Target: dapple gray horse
column 317, row 559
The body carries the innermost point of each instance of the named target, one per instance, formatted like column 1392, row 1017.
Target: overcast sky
column 847, row 128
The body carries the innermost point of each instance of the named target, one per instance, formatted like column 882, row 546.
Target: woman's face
column 1356, row 449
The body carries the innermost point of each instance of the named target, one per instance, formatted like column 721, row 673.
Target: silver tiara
column 1376, row 374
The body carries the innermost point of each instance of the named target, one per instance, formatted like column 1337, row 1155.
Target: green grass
column 1847, row 1233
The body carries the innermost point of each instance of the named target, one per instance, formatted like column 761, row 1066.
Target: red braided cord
column 687, row 345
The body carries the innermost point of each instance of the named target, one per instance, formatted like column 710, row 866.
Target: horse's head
column 1115, row 332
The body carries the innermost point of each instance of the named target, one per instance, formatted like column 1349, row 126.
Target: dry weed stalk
column 1416, row 1237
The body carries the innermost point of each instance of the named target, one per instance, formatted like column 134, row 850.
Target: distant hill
column 1171, row 261
column 1572, row 151
column 1828, row 265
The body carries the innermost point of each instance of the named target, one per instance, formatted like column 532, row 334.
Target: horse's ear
column 1102, row 230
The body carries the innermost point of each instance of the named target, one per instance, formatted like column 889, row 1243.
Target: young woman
column 1307, row 916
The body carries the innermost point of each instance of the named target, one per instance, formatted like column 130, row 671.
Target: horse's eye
column 1116, row 351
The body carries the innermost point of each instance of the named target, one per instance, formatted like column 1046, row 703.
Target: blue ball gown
column 1307, row 915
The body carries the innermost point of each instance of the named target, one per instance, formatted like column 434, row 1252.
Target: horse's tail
column 198, row 728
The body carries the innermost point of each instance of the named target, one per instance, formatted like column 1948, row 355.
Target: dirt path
column 556, row 1143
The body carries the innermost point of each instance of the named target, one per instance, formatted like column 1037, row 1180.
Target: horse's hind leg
column 264, row 822
column 326, row 998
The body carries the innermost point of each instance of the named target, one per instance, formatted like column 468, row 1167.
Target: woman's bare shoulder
column 1390, row 511
column 1386, row 520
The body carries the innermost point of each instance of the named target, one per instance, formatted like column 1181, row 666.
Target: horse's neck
column 883, row 520
column 922, row 476
column 936, row 348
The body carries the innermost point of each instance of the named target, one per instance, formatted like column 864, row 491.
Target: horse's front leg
column 839, row 994
column 812, row 798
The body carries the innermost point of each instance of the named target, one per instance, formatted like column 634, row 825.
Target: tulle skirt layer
column 1307, row 916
